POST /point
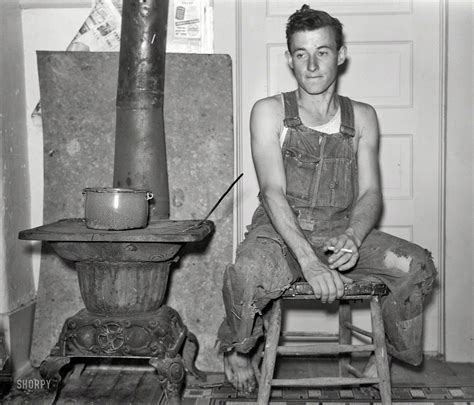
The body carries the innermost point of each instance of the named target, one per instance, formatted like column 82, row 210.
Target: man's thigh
column 264, row 260
column 387, row 258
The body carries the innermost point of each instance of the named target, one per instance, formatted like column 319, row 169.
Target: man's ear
column 289, row 59
column 341, row 55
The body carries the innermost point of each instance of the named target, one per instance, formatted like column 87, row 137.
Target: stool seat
column 354, row 291
column 339, row 343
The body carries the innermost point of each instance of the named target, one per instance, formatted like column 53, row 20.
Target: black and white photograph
column 237, row 202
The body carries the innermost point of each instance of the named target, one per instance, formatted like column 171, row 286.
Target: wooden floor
column 138, row 384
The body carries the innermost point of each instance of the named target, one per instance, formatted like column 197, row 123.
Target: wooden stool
column 342, row 345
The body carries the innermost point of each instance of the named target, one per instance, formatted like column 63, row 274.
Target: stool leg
column 345, row 335
column 269, row 356
column 381, row 356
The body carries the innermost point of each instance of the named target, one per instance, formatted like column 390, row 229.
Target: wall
column 16, row 280
column 44, row 28
column 459, row 344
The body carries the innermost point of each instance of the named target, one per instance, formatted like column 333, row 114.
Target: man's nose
column 312, row 63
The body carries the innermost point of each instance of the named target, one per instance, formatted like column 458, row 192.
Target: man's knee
column 416, row 262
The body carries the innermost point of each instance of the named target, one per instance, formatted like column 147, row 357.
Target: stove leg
column 50, row 371
column 171, row 375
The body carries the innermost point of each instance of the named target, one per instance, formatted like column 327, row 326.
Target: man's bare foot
column 239, row 371
column 370, row 369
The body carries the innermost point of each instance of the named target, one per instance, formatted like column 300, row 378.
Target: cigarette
column 342, row 250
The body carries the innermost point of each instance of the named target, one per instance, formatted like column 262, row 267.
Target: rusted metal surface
column 75, row 230
column 159, row 336
column 140, row 148
column 117, row 252
column 116, row 288
column 154, row 334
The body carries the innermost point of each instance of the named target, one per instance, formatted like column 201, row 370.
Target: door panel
column 394, row 64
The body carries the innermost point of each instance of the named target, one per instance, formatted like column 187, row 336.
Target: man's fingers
column 335, row 259
column 324, row 290
column 340, row 243
column 331, row 287
column 330, row 244
column 350, row 263
column 316, row 289
column 341, row 259
column 339, row 285
column 320, row 288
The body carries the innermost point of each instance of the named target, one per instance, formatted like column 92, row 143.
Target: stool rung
column 313, row 335
column 322, row 381
column 350, row 326
column 326, row 348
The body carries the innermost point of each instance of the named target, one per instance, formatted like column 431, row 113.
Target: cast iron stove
column 123, row 274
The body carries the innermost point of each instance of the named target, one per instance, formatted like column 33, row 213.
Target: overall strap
column 347, row 116
column 292, row 118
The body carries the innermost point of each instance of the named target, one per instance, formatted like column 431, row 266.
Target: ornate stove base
column 159, row 336
column 122, row 278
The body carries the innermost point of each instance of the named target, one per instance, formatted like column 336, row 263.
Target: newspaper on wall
column 101, row 29
column 187, row 19
column 190, row 29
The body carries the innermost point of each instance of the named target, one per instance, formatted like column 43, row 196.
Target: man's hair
column 307, row 19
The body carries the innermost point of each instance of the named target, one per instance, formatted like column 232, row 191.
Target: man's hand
column 345, row 251
column 327, row 284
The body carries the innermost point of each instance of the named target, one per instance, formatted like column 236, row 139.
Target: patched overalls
column 322, row 188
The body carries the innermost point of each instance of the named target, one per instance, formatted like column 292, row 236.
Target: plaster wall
column 16, row 279
column 459, row 343
column 49, row 28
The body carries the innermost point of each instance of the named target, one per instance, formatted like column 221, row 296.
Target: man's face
column 314, row 59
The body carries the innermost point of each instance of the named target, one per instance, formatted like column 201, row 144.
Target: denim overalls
column 322, row 188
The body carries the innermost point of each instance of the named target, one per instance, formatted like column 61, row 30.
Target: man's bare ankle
column 370, row 369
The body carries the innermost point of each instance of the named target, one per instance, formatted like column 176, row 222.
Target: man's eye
column 323, row 53
column 300, row 55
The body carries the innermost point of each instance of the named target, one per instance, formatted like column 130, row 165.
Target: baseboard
column 18, row 328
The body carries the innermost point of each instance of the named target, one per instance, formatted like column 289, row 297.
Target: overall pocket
column 336, row 184
column 300, row 170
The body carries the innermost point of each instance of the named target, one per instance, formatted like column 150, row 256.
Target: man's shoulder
column 272, row 102
column 365, row 119
column 361, row 108
column 270, row 106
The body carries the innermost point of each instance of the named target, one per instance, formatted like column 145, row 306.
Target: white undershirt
column 333, row 126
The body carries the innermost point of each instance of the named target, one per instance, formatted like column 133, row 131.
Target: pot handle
column 149, row 195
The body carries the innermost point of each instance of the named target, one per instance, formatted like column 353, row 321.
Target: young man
column 315, row 155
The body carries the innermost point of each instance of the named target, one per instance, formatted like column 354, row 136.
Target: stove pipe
column 140, row 150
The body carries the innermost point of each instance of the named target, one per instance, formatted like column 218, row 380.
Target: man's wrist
column 353, row 235
column 311, row 265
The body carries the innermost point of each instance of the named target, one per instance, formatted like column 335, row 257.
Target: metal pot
column 116, row 208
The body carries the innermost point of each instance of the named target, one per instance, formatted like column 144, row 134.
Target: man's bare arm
column 368, row 207
column 265, row 129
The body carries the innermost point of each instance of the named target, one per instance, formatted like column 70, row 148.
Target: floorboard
column 434, row 382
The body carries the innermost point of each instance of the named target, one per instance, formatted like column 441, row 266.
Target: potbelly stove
column 123, row 274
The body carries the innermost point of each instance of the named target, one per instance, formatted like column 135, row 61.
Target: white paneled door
column 395, row 63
